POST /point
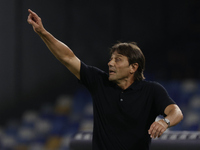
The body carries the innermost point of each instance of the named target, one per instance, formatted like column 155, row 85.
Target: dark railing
column 171, row 140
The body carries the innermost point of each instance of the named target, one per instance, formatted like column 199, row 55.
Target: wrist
column 167, row 122
column 42, row 32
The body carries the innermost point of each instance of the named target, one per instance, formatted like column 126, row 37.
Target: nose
column 110, row 63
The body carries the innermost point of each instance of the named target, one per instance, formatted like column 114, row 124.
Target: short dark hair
column 134, row 55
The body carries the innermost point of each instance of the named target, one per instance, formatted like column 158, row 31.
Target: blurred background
column 42, row 103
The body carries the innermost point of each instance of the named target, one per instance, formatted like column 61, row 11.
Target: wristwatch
column 167, row 121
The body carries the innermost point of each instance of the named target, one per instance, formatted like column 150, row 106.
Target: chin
column 111, row 79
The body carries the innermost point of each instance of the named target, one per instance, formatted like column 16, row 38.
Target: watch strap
column 167, row 122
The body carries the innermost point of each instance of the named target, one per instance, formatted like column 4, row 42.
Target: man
column 125, row 105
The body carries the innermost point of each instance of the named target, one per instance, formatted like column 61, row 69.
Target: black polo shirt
column 122, row 118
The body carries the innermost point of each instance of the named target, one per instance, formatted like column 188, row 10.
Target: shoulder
column 91, row 69
column 91, row 73
column 152, row 84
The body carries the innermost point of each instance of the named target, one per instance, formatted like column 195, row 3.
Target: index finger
column 151, row 128
column 31, row 12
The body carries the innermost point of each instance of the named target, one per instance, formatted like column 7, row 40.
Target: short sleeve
column 86, row 74
column 161, row 99
column 90, row 76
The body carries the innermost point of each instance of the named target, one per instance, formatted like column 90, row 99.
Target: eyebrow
column 118, row 55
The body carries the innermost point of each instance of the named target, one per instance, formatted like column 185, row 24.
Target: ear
column 134, row 68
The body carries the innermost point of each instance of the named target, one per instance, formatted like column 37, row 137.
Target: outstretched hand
column 35, row 21
column 157, row 128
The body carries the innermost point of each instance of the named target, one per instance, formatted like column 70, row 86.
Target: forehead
column 116, row 54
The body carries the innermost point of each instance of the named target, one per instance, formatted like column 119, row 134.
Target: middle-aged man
column 125, row 105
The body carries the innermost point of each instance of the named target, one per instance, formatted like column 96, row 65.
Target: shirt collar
column 136, row 85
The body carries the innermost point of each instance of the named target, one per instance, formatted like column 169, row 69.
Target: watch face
column 167, row 121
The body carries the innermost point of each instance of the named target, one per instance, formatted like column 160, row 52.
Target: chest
column 129, row 103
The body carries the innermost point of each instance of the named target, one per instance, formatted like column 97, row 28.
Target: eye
column 118, row 59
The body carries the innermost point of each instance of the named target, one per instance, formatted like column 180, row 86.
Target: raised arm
column 174, row 115
column 61, row 51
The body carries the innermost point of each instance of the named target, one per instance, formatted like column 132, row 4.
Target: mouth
column 111, row 71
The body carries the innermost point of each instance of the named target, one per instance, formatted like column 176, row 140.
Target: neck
column 124, row 84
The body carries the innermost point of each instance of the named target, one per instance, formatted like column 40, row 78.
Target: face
column 119, row 68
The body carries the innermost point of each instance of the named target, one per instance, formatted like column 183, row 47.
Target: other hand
column 157, row 128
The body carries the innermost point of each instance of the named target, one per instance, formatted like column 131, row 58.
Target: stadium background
column 33, row 82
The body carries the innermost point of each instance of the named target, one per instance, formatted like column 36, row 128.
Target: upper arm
column 162, row 99
column 73, row 64
column 170, row 108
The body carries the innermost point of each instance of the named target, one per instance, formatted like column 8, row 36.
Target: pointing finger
column 31, row 12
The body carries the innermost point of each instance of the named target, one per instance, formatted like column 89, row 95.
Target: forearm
column 61, row 51
column 174, row 116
